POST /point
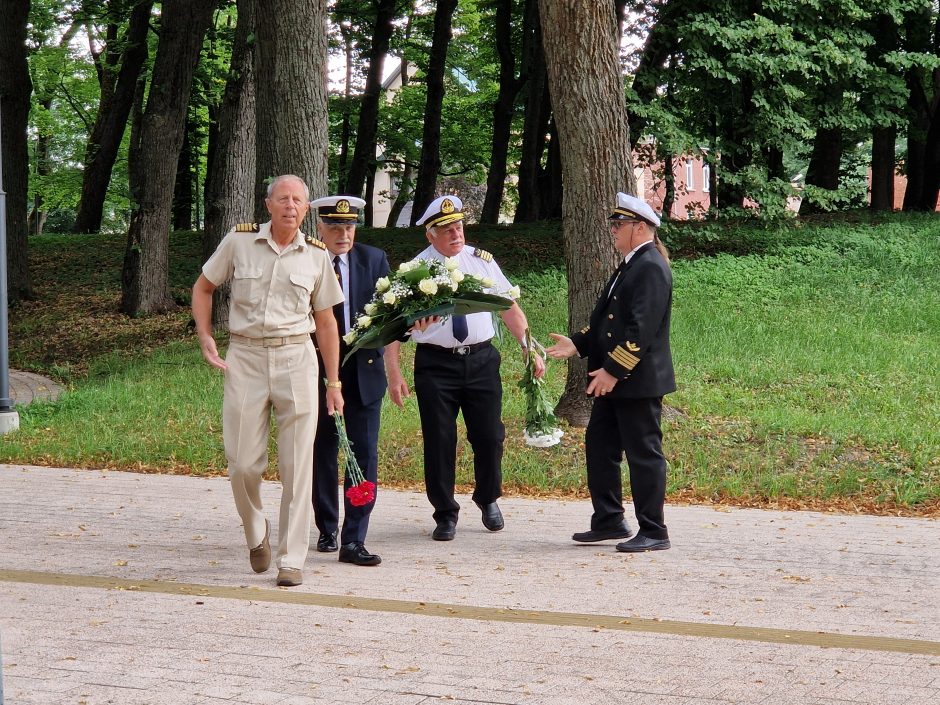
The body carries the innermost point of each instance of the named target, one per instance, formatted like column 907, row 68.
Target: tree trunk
column 183, row 188
column 538, row 109
column 550, row 181
column 230, row 182
column 823, row 170
column 405, row 183
column 342, row 166
column 405, row 189
column 917, row 30
column 110, row 123
column 363, row 161
column 503, row 112
column 368, row 196
column 882, row 168
column 430, row 163
column 587, row 97
column 145, row 285
column 15, row 90
column 293, row 131
column 669, row 177
column 930, row 186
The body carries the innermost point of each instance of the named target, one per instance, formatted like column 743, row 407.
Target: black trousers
column 631, row 427
column 445, row 384
column 362, row 426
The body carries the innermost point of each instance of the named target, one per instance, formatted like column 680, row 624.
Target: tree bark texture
column 145, row 285
column 882, row 168
column 823, row 170
column 293, row 132
column 230, row 181
column 110, row 123
column 430, row 162
column 363, row 161
column 183, row 186
column 584, row 77
column 537, row 112
column 503, row 110
column 15, row 90
column 342, row 167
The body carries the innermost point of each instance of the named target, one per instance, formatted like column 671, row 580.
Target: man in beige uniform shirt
column 283, row 289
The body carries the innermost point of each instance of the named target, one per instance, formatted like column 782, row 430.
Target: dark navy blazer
column 366, row 264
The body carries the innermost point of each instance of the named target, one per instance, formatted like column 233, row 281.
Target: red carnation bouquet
column 361, row 491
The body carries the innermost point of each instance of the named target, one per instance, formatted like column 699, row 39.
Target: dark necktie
column 460, row 328
column 616, row 280
column 338, row 308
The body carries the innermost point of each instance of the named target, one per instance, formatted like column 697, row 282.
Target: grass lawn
column 808, row 361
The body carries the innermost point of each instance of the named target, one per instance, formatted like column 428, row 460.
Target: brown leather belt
column 457, row 349
column 269, row 342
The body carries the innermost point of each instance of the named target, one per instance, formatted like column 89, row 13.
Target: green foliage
column 807, row 367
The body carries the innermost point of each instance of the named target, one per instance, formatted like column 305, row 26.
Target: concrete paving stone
column 806, row 571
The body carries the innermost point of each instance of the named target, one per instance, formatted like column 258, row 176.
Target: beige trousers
column 258, row 380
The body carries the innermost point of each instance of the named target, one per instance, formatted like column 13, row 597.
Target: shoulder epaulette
column 311, row 240
column 483, row 255
column 247, row 228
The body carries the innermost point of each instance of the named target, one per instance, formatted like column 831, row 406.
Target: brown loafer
column 289, row 577
column 260, row 555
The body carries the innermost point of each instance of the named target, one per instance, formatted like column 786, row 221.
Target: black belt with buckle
column 457, row 349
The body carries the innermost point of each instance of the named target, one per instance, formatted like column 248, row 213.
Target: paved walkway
column 26, row 387
column 135, row 589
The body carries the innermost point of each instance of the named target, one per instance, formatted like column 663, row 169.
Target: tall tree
column 430, row 162
column 581, row 51
column 230, row 182
column 293, row 130
column 145, row 286
column 111, row 119
column 504, row 108
column 535, row 122
column 363, row 161
column 15, row 90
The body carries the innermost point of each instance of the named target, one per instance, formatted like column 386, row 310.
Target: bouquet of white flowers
column 418, row 289
column 541, row 426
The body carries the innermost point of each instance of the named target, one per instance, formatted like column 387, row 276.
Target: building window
column 689, row 175
column 706, row 178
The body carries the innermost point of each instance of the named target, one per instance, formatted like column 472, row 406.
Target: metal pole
column 9, row 419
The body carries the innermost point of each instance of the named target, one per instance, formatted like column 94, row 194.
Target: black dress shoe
column 357, row 554
column 492, row 517
column 641, row 544
column 327, row 542
column 445, row 530
column 621, row 531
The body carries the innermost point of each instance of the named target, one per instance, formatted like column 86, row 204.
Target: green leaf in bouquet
column 379, row 336
column 416, row 274
column 476, row 302
column 444, row 309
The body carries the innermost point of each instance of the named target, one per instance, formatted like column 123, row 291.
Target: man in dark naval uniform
column 630, row 369
column 357, row 268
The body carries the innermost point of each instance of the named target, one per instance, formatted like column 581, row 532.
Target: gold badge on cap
column 447, row 206
column 342, row 206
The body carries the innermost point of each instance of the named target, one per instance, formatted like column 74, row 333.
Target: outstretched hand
column 563, row 347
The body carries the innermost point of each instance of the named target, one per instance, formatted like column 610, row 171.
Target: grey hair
column 285, row 177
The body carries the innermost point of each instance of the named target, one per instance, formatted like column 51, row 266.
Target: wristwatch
column 334, row 385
